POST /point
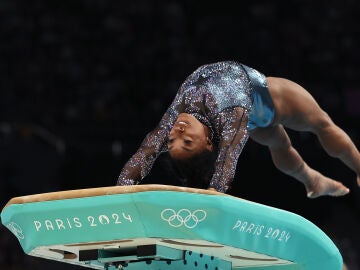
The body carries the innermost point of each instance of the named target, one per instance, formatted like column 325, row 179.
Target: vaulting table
column 165, row 227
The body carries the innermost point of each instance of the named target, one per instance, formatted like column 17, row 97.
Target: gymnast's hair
column 197, row 170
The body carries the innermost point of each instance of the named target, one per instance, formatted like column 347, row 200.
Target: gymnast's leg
column 288, row 160
column 297, row 109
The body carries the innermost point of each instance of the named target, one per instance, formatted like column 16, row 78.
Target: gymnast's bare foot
column 324, row 186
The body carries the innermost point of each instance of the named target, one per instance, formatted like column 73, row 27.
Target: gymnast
column 219, row 106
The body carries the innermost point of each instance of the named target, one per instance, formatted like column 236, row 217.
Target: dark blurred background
column 82, row 82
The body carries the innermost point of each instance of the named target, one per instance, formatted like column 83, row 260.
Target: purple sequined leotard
column 229, row 98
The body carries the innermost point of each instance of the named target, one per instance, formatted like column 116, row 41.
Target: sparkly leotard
column 229, row 98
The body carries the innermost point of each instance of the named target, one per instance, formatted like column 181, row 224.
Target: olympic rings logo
column 183, row 217
column 16, row 229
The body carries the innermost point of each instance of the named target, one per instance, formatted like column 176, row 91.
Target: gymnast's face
column 188, row 137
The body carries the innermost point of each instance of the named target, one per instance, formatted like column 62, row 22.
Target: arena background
column 82, row 82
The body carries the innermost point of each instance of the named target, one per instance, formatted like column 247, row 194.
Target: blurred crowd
column 83, row 81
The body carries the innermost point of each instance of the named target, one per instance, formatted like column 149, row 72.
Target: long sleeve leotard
column 220, row 96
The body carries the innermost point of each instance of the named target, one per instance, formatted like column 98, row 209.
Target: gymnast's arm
column 233, row 136
column 140, row 164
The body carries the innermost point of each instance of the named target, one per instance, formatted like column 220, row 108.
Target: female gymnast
column 221, row 105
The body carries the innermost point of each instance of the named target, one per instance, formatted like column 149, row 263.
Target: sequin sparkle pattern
column 220, row 96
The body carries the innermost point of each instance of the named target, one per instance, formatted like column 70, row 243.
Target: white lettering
column 49, row 225
column 103, row 219
column 116, row 218
column 60, row 224
column 275, row 234
column 70, row 223
column 77, row 222
column 250, row 228
column 127, row 217
column 91, row 219
column 258, row 230
column 237, row 225
column 287, row 237
column 37, row 225
column 243, row 226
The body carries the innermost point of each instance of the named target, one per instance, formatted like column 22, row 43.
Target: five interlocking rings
column 15, row 229
column 183, row 217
